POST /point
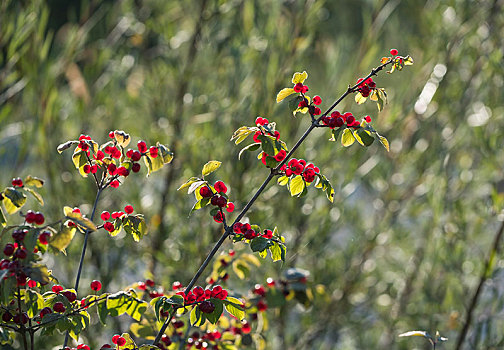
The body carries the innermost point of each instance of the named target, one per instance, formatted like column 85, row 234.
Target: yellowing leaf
column 360, row 99
column 374, row 96
column 62, row 239
column 210, row 167
column 33, row 181
column 188, row 183
column 13, row 200
column 297, row 185
column 357, row 137
column 384, row 142
column 3, row 221
column 284, row 93
column 347, row 139
column 299, row 77
column 408, row 61
column 122, row 138
column 79, row 219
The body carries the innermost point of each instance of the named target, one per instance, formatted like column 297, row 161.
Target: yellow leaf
column 357, row 137
column 210, row 167
column 360, row 99
column 299, row 77
column 374, row 96
column 414, row 334
column 122, row 138
column 384, row 60
column 385, row 143
column 347, row 139
column 408, row 61
column 297, row 185
column 284, row 93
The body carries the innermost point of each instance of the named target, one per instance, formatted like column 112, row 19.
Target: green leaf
column 210, row 167
column 13, row 200
column 294, row 103
column 241, row 134
column 282, row 94
column 252, row 147
column 267, row 144
column 134, row 225
column 34, row 302
column 234, row 307
column 130, row 344
column 102, row 311
column 194, row 186
column 347, row 139
column 200, row 204
column 62, row 239
column 335, row 134
column 37, row 196
column 33, row 181
column 271, row 162
column 408, row 61
column 38, row 272
column 259, row 244
column 283, row 180
column 330, row 193
column 154, row 164
column 197, row 317
column 3, row 220
column 123, row 302
column 357, row 137
column 296, row 185
column 366, row 137
column 384, row 142
column 214, row 316
column 188, row 183
column 117, row 227
column 175, row 300
column 79, row 158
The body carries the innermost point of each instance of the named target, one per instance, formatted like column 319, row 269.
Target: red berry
column 270, row 281
column 259, row 121
column 206, row 307
column 141, row 286
column 142, row 146
column 87, row 168
column 99, row 155
column 230, row 207
column 105, row 215
column 153, row 150
column 59, row 307
column 21, row 253
column 121, row 341
column 96, row 285
column 114, row 184
column 19, row 235
column 23, row 318
column 108, row 226
column 39, row 218
column 32, row 283
column 220, row 187
column 219, row 217
column 394, row 52
column 115, row 338
column 135, row 156
column 298, row 87
column 83, row 347
column 30, row 217
column 205, row 192
column 94, row 169
column 122, row 171
column 57, row 288
column 350, row 120
column 136, row 167
column 259, row 290
column 128, row 209
column 280, row 155
column 317, row 100
column 9, row 249
column 71, row 296
column 268, row 234
column 6, row 317
column 256, row 137
column 17, row 182
column 111, row 134
column 149, row 283
column 250, row 234
column 261, row 306
column 367, row 119
column 166, row 339
column 106, row 346
column 221, row 202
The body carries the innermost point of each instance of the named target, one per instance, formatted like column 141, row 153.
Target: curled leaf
column 299, row 77
column 284, row 93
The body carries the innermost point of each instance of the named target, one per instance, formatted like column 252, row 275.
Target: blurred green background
column 404, row 244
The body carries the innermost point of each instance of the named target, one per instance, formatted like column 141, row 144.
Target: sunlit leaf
column 283, row 180
column 13, row 200
column 38, row 272
column 365, row 137
column 122, row 138
column 252, row 147
column 296, row 185
column 135, row 226
column 188, row 183
column 408, row 61
column 284, row 93
column 347, row 139
column 62, row 239
column 33, row 181
column 79, row 219
column 210, row 167
column 357, row 137
column 384, row 142
column 241, row 134
column 234, row 307
column 37, row 196
column 299, row 77
column 359, row 98
column 66, row 145
column 415, row 334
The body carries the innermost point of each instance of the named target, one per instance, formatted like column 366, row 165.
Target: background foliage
column 404, row 243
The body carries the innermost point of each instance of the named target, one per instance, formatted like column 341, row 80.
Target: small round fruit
column 96, row 285
column 206, row 307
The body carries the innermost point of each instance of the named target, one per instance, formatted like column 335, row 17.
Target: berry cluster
column 218, row 198
column 81, row 347
column 249, row 233
column 336, row 120
column 201, row 296
column 17, row 182
column 118, row 340
column 365, row 87
column 149, row 286
column 16, row 252
column 36, row 218
column 299, row 167
column 105, row 215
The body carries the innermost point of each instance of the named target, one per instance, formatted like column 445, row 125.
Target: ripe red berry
column 142, row 146
column 367, row 119
column 394, row 52
column 219, row 217
column 96, row 285
column 136, row 167
column 32, row 283
column 87, row 168
column 220, row 187
column 9, row 249
column 268, row 234
column 261, row 306
column 166, row 339
column 105, row 215
column 249, row 234
column 94, row 169
column 57, row 288
column 122, row 171
column 19, row 235
column 206, row 307
column 108, row 226
column 121, row 341
column 45, row 311
column 298, row 87
column 71, row 296
column 21, row 253
column 99, row 155
column 221, row 202
column 149, row 283
column 83, row 347
column 106, row 346
column 280, row 155
column 350, row 120
column 39, row 218
column 17, row 182
column 115, row 337
column 114, row 184
column 205, row 192
column 30, row 217
column 317, row 100
column 128, row 209
column 230, row 207
column 21, row 318
column 59, row 307
column 111, row 134
column 6, row 317
column 153, row 150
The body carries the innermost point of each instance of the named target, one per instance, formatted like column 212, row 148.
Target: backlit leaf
column 188, row 183
column 38, row 272
column 62, row 239
column 347, row 139
column 135, row 226
column 384, row 142
column 122, row 138
column 33, row 181
column 252, row 147
column 37, row 196
column 357, row 137
column 66, row 145
column 408, row 61
column 299, row 77
column 210, row 167
column 296, row 185
column 13, row 200
column 365, row 136
column 359, row 98
column 259, row 244
column 3, row 221
column 283, row 180
column 415, row 334
column 284, row 93
column 234, row 307
column 79, row 219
